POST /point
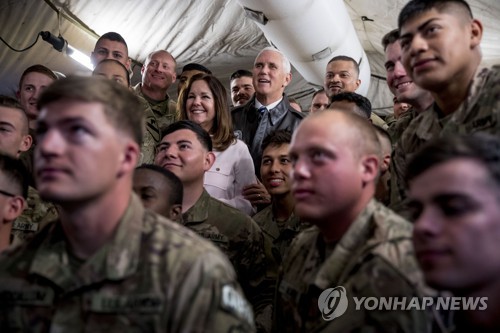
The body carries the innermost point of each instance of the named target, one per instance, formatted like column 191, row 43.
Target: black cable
column 27, row 48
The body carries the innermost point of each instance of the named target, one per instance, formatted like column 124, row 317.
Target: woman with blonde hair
column 205, row 102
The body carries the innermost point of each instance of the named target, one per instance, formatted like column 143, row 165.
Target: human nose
column 50, row 143
column 417, row 45
column 300, row 169
column 399, row 70
column 275, row 166
column 427, row 224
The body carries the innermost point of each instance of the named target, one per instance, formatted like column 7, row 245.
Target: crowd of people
column 123, row 209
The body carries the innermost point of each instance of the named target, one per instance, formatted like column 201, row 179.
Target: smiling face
column 241, row 90
column 182, row 153
column 457, row 225
column 200, row 106
column 341, row 76
column 275, row 169
column 158, row 73
column 439, row 48
column 400, row 84
column 270, row 77
column 79, row 152
column 31, row 87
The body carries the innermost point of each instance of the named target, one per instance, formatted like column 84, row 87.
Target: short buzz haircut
column 361, row 101
column 390, row 38
column 12, row 103
column 366, row 141
column 346, row 58
column 116, row 62
column 196, row 67
column 150, row 55
column 121, row 107
column 176, row 189
column 287, row 67
column 417, row 7
column 200, row 133
column 37, row 69
column 276, row 139
column 16, row 175
column 481, row 147
column 240, row 73
column 114, row 37
column 382, row 134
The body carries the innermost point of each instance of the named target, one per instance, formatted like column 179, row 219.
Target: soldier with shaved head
column 356, row 243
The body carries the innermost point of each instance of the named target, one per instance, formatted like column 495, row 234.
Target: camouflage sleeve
column 151, row 135
column 258, row 274
column 208, row 299
column 379, row 280
column 36, row 215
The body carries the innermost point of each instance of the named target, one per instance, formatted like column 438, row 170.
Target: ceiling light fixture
column 60, row 44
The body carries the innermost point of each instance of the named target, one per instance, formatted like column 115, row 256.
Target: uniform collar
column 116, row 260
column 199, row 211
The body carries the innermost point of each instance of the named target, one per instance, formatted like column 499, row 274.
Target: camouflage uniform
column 479, row 112
column 376, row 120
column 280, row 233
column 151, row 135
column 241, row 239
column 35, row 216
column 164, row 111
column 374, row 258
column 153, row 276
column 397, row 126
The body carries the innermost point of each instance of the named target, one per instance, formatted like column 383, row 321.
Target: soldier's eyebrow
column 163, row 144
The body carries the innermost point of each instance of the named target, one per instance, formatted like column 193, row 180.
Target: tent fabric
column 215, row 33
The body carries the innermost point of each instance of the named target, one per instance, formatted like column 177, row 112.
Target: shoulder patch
column 233, row 301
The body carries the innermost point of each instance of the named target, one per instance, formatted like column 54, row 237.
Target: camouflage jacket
column 373, row 259
column 164, row 111
column 35, row 216
column 241, row 239
column 280, row 234
column 398, row 126
column 153, row 276
column 151, row 135
column 376, row 120
column 479, row 112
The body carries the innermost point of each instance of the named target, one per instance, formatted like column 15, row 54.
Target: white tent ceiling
column 215, row 33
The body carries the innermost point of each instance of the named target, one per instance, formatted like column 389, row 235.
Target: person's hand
column 256, row 194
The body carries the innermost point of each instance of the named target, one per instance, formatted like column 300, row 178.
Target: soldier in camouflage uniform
column 186, row 150
column 278, row 220
column 14, row 142
column 356, row 242
column 158, row 74
column 466, row 95
column 116, row 71
column 402, row 86
column 404, row 90
column 159, row 190
column 108, row 265
column 454, row 193
column 13, row 192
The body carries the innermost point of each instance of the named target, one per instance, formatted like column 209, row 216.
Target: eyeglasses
column 7, row 193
